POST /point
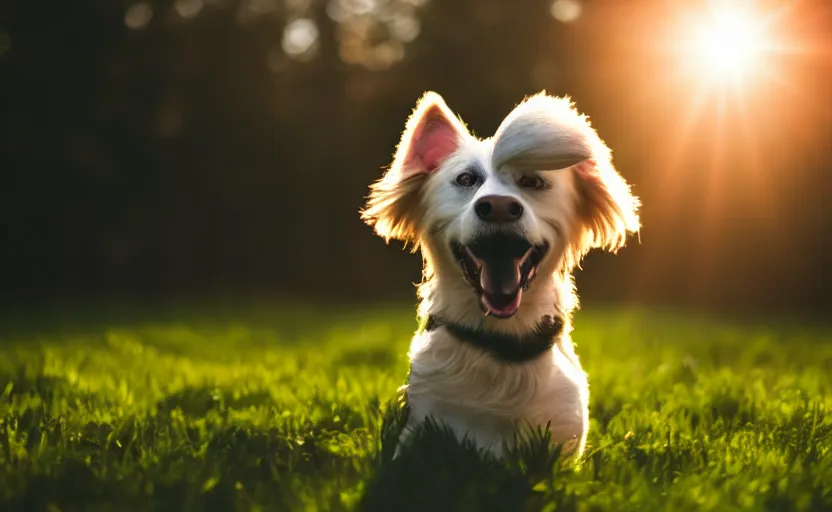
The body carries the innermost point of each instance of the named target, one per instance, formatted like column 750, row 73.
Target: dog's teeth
column 474, row 258
column 483, row 281
column 525, row 257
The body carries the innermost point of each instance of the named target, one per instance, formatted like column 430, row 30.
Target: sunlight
column 728, row 53
column 729, row 44
column 729, row 72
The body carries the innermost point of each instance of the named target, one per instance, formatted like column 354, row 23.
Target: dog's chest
column 486, row 399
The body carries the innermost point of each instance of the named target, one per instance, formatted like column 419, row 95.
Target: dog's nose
column 498, row 209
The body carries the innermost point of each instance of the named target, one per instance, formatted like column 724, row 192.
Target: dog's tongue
column 500, row 260
column 500, row 283
column 502, row 306
column 500, row 277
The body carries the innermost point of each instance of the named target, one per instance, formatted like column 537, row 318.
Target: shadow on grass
column 437, row 472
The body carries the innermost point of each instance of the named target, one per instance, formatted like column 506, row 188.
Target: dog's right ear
column 431, row 135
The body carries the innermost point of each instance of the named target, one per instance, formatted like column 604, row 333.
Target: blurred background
column 192, row 148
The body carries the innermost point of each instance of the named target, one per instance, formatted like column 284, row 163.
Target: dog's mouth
column 500, row 267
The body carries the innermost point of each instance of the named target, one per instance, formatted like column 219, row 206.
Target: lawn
column 275, row 408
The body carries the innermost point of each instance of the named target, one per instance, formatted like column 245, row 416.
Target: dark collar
column 505, row 347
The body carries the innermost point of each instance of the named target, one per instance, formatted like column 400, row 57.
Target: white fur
column 587, row 205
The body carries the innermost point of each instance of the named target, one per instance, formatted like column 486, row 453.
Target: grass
column 274, row 409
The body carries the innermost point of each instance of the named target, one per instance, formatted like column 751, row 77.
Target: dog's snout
column 498, row 209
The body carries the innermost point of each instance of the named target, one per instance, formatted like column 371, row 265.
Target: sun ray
column 732, row 68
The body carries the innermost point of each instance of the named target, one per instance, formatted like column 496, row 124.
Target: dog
column 501, row 224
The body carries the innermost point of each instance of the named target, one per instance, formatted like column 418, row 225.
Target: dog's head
column 493, row 214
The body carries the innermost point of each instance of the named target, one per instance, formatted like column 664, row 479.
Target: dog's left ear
column 607, row 210
column 548, row 133
column 432, row 134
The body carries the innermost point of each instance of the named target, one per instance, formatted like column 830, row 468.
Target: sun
column 727, row 44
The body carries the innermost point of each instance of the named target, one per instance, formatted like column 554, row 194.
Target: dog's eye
column 466, row 179
column 532, row 182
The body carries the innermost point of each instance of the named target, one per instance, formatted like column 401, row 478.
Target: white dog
column 501, row 223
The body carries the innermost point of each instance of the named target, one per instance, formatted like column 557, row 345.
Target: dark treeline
column 225, row 146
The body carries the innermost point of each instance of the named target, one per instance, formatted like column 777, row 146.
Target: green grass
column 274, row 409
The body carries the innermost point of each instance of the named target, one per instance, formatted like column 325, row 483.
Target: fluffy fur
column 585, row 204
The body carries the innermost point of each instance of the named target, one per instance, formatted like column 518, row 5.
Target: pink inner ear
column 586, row 169
column 432, row 143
